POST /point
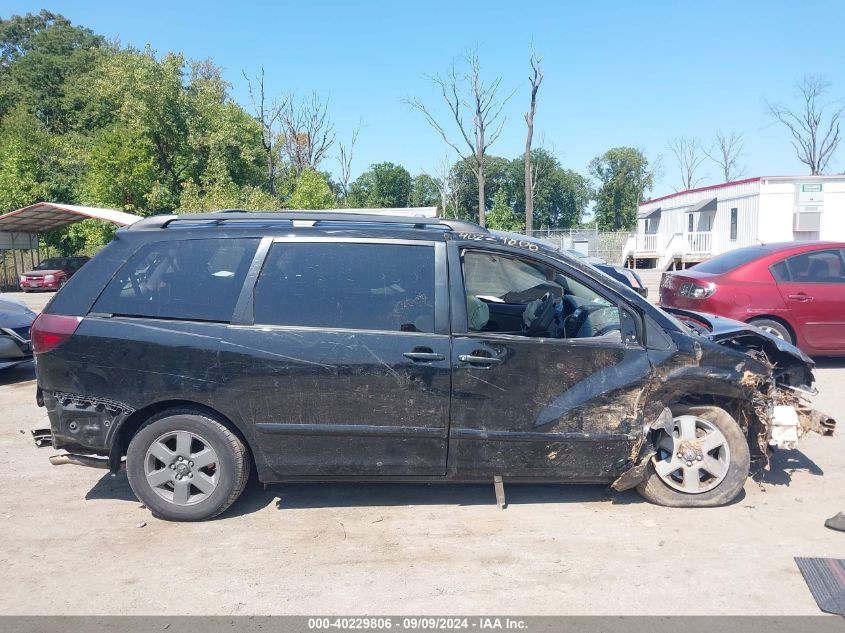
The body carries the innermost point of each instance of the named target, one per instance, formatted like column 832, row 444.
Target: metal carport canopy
column 44, row 216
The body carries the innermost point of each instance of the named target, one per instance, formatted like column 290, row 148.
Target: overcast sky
column 617, row 73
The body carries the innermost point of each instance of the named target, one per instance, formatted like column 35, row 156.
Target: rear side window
column 347, row 285
column 732, row 259
column 198, row 280
column 817, row 267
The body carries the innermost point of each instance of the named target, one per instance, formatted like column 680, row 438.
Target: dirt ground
column 75, row 541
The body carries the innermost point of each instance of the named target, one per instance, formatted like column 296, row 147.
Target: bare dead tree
column 725, row 153
column 345, row 160
column 268, row 113
column 443, row 178
column 307, row 132
column 476, row 109
column 535, row 79
column 689, row 155
column 814, row 127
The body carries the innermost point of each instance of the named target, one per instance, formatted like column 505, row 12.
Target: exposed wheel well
column 771, row 317
column 134, row 422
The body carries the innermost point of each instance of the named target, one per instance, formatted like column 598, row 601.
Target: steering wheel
column 544, row 314
column 601, row 331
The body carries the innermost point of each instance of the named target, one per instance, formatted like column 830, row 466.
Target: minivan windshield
column 733, row 259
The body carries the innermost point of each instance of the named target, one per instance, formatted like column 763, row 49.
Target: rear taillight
column 51, row 330
column 697, row 291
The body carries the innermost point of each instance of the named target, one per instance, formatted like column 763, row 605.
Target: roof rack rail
column 226, row 216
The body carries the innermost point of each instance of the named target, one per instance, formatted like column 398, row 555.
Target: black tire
column 775, row 327
column 655, row 490
column 232, row 460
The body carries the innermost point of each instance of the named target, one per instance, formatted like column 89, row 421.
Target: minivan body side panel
column 114, row 366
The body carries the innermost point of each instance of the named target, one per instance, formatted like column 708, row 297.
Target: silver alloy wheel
column 695, row 458
column 182, row 468
column 768, row 329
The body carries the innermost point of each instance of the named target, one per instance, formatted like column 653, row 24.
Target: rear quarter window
column 182, row 279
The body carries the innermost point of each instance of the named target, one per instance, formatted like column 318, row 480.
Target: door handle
column 801, row 297
column 478, row 360
column 424, row 357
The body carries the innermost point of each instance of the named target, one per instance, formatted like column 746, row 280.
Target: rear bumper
column 84, row 424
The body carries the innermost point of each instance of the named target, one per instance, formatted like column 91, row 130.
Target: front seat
column 478, row 313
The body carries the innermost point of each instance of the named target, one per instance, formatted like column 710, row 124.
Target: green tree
column 624, row 178
column 39, row 56
column 497, row 174
column 424, row 192
column 180, row 110
column 502, row 216
column 216, row 190
column 23, row 145
column 312, row 191
column 561, row 196
column 121, row 170
column 382, row 185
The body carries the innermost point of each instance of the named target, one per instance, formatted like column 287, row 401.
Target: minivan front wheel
column 186, row 466
column 704, row 462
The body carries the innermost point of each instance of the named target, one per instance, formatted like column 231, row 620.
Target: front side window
column 188, row 279
column 347, row 285
column 513, row 295
column 817, row 267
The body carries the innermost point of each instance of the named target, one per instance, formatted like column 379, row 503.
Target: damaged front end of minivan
column 763, row 382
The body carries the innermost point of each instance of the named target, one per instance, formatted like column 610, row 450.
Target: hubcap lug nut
column 689, row 463
column 190, row 475
column 190, row 463
column 172, row 466
column 680, row 454
column 700, row 458
column 180, row 458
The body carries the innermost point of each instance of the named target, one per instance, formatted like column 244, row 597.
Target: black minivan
column 336, row 346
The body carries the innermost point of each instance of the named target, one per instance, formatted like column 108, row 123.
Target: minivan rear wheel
column 186, row 466
column 703, row 463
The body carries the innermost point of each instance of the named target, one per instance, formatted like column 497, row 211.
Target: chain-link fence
column 608, row 245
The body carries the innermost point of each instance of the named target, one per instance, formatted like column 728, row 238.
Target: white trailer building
column 690, row 226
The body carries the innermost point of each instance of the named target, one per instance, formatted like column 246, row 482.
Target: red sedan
column 51, row 274
column 793, row 290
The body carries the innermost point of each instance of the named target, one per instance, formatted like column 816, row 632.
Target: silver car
column 15, row 322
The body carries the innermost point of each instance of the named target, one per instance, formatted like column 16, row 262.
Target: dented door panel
column 568, row 410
